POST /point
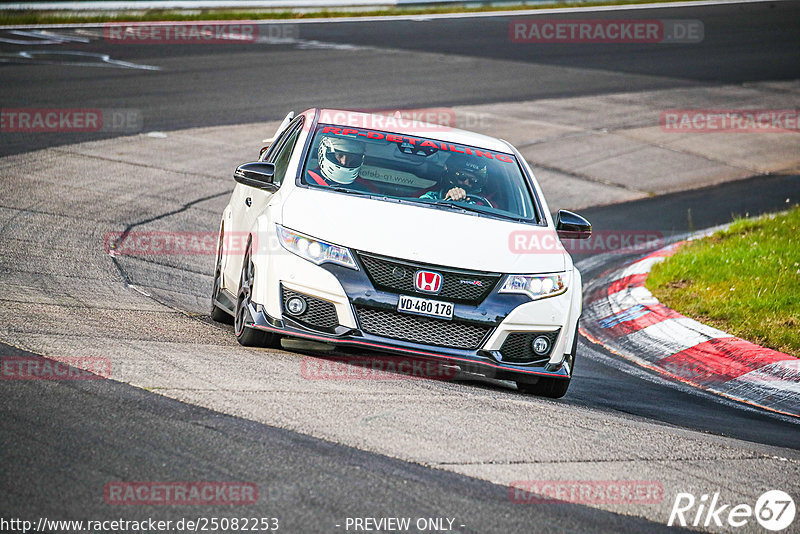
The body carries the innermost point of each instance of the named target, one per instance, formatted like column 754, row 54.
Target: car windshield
column 414, row 169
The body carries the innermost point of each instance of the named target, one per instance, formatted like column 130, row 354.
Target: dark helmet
column 468, row 172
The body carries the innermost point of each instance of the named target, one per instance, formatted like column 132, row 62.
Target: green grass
column 49, row 17
column 744, row 280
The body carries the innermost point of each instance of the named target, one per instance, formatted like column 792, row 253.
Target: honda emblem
column 428, row 281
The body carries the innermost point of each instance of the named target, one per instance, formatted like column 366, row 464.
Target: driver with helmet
column 339, row 162
column 463, row 180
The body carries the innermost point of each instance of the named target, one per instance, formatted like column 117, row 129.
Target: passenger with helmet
column 339, row 162
column 464, row 179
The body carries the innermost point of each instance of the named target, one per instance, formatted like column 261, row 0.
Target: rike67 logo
column 774, row 510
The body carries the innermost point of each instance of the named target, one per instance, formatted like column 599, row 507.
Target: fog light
column 296, row 306
column 541, row 345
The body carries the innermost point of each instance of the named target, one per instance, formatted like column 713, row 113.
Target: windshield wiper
column 375, row 196
column 348, row 191
column 452, row 205
column 472, row 209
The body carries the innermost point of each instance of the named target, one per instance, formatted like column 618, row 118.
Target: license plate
column 430, row 308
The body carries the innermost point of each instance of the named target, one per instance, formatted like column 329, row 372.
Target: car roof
column 408, row 126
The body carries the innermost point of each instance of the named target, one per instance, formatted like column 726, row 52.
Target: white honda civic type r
column 403, row 237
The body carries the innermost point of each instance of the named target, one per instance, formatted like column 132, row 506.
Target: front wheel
column 554, row 388
column 249, row 337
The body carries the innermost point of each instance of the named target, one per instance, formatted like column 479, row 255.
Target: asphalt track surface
column 392, row 64
column 63, row 441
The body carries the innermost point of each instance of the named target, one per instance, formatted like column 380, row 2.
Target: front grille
column 424, row 330
column 517, row 347
column 397, row 276
column 319, row 315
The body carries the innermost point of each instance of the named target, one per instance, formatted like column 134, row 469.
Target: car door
column 248, row 202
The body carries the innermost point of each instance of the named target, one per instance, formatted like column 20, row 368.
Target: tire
column 217, row 313
column 249, row 337
column 554, row 388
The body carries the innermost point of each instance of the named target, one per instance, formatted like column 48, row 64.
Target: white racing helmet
column 340, row 159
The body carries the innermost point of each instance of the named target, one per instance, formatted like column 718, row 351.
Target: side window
column 283, row 155
column 272, row 151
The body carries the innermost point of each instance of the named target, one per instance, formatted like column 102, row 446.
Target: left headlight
column 315, row 250
column 536, row 286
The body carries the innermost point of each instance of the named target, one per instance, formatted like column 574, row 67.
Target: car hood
column 426, row 235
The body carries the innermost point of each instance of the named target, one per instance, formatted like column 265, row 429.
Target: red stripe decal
column 719, row 360
column 317, row 178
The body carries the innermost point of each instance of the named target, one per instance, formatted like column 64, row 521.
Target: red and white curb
column 623, row 316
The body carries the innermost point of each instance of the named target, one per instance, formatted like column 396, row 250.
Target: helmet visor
column 467, row 179
column 349, row 160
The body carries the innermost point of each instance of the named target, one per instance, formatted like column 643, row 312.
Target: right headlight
column 315, row 250
column 536, row 286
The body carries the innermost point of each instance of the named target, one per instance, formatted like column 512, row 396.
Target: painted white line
column 640, row 267
column 423, row 18
column 145, row 293
column 305, row 44
column 43, row 56
column 779, row 391
column 783, row 375
column 622, row 300
column 41, row 37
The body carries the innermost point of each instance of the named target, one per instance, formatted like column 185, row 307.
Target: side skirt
column 226, row 302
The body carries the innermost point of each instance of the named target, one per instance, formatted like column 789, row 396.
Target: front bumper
column 350, row 292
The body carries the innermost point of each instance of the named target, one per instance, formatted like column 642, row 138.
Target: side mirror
column 572, row 226
column 257, row 174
